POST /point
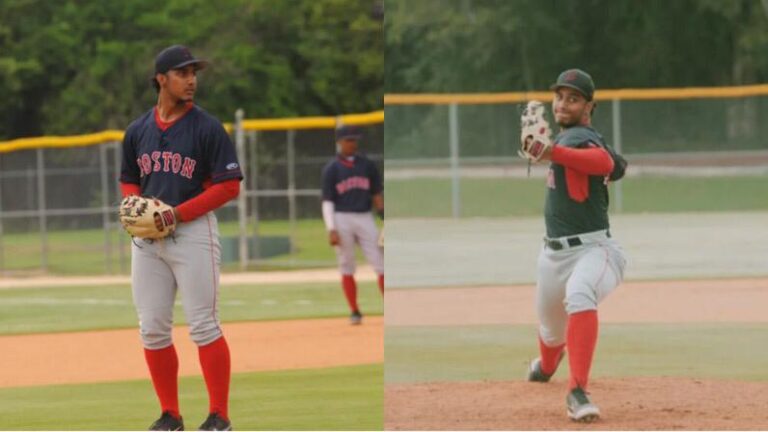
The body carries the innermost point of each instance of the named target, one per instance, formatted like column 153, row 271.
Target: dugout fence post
column 291, row 168
column 242, row 198
column 616, row 117
column 453, row 125
column 122, row 261
column 105, row 207
column 253, row 171
column 42, row 216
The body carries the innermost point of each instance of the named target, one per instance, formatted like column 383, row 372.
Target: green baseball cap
column 578, row 80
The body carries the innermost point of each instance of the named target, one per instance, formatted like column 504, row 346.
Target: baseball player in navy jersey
column 182, row 155
column 351, row 186
column 580, row 263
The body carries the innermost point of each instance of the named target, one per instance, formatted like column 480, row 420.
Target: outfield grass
column 502, row 352
column 34, row 310
column 504, row 197
column 343, row 398
column 82, row 251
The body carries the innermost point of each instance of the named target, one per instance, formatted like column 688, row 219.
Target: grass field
column 348, row 398
column 502, row 352
column 35, row 310
column 504, row 197
column 82, row 251
column 341, row 398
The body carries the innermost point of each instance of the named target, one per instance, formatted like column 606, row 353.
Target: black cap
column 348, row 132
column 578, row 80
column 176, row 57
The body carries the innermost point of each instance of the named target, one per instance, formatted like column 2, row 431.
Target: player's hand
column 333, row 237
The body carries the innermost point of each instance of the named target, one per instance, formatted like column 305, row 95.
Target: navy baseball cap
column 348, row 132
column 176, row 57
column 578, row 80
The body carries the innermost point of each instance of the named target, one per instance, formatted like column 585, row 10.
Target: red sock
column 581, row 339
column 164, row 370
column 350, row 291
column 550, row 357
column 381, row 284
column 215, row 362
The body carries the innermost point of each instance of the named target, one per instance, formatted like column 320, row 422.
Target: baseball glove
column 147, row 218
column 534, row 132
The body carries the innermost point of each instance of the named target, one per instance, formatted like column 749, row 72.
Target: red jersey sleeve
column 212, row 198
column 591, row 161
column 129, row 189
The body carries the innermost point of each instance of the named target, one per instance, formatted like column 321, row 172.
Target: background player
column 579, row 263
column 182, row 155
column 351, row 186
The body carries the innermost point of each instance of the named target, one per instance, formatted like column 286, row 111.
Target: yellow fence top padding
column 601, row 95
column 60, row 141
column 376, row 117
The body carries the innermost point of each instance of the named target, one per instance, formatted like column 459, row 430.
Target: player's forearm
column 211, row 199
column 591, row 161
column 328, row 209
column 129, row 189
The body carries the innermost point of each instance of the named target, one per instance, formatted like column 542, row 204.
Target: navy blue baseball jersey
column 174, row 164
column 350, row 184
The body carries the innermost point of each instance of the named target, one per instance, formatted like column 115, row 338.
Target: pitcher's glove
column 534, row 132
column 147, row 218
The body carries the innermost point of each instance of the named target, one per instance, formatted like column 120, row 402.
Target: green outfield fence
column 58, row 196
column 442, row 144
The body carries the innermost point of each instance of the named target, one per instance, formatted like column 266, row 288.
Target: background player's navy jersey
column 173, row 165
column 350, row 185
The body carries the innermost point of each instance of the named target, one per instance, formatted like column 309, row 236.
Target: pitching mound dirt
column 651, row 403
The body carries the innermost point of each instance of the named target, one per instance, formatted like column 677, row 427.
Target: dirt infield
column 101, row 356
column 637, row 403
column 364, row 273
column 666, row 403
column 713, row 300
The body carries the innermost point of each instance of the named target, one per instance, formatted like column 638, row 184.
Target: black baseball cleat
column 535, row 373
column 167, row 422
column 356, row 318
column 215, row 423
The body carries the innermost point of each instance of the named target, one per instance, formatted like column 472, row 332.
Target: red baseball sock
column 164, row 370
column 350, row 291
column 381, row 284
column 581, row 339
column 215, row 362
column 549, row 357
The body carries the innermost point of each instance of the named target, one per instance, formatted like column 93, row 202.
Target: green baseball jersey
column 576, row 203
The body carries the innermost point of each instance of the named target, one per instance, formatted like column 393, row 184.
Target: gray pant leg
column 368, row 237
column 345, row 251
column 598, row 271
column 550, row 293
column 195, row 258
column 154, row 291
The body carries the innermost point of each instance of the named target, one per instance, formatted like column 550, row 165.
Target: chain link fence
column 58, row 206
column 455, row 155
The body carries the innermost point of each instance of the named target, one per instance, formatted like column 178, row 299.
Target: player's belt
column 562, row 243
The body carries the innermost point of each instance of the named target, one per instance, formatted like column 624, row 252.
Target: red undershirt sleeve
column 591, row 161
column 212, row 198
column 130, row 189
